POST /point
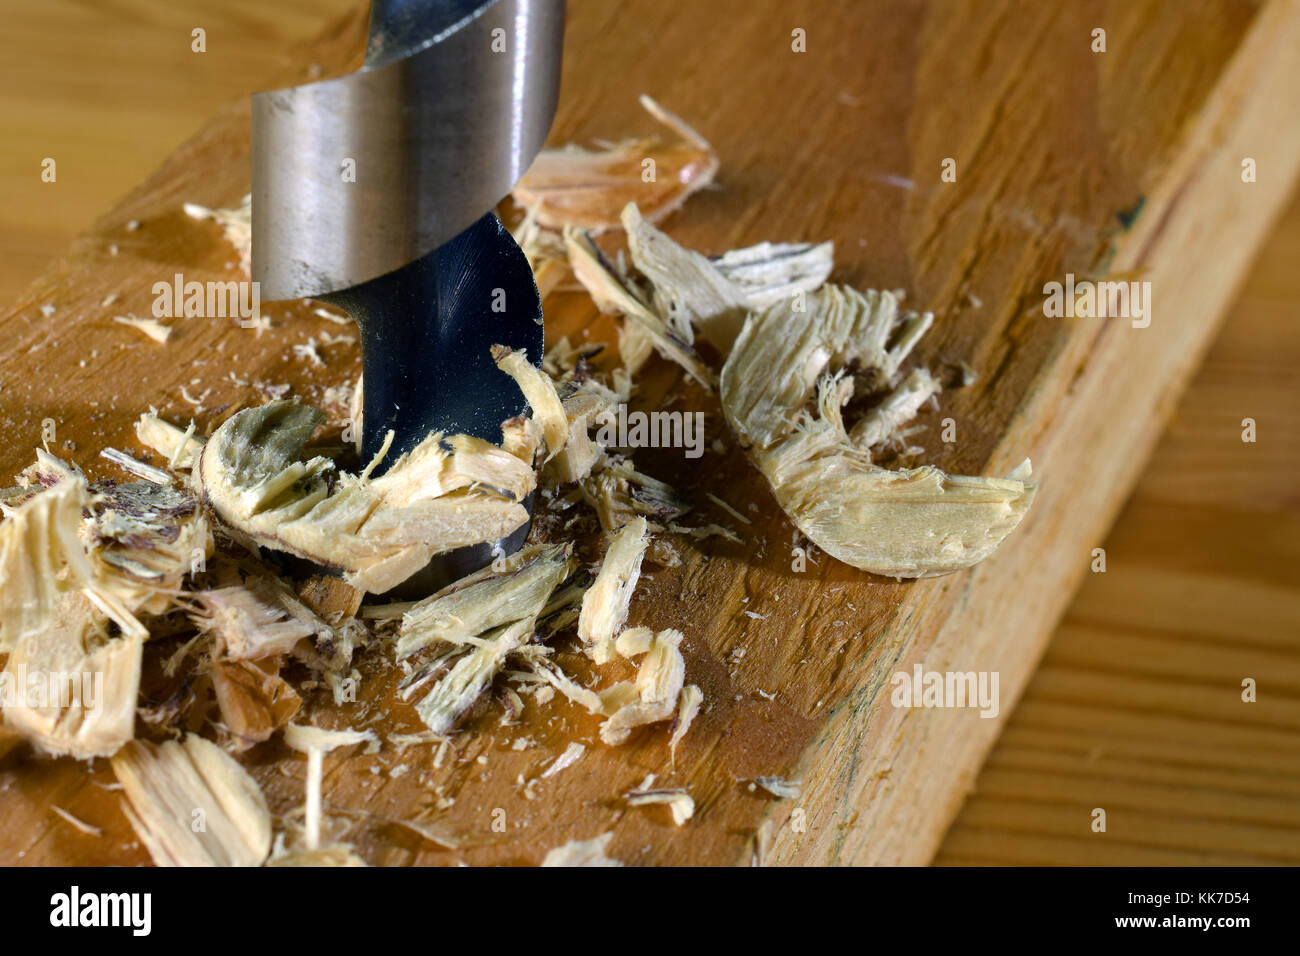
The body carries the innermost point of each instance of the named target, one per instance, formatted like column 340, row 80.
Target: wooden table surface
column 1136, row 708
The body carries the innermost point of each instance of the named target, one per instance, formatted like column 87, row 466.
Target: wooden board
column 1057, row 148
column 1137, row 707
column 109, row 91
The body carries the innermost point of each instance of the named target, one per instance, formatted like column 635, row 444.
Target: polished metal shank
column 454, row 101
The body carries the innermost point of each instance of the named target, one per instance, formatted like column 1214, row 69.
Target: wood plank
column 109, row 90
column 1137, row 703
column 1053, row 144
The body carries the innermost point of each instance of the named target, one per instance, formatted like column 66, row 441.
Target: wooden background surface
column 1200, row 581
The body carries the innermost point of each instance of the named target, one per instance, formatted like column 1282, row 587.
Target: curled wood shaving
column 572, row 186
column 687, row 290
column 614, row 293
column 376, row 531
column 771, row 271
column 783, row 401
column 693, row 293
column 678, row 291
column 191, row 804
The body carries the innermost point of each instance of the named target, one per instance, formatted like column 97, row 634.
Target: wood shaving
column 572, row 754
column 237, row 223
column 692, row 293
column 678, row 801
column 315, row 742
column 82, row 825
column 331, row 316
column 469, row 676
column 376, row 531
column 634, row 642
column 619, row 493
column 150, row 327
column 572, row 186
column 688, row 707
column 615, row 294
column 727, row 508
column 582, row 853
column 128, row 555
column 192, row 804
column 605, row 605
column 179, row 446
column 540, row 392
column 771, row 271
column 254, row 702
column 780, row 787
column 545, row 253
column 138, row 468
column 489, row 599
column 254, row 620
column 91, row 683
column 783, row 402
column 582, row 408
column 659, row 681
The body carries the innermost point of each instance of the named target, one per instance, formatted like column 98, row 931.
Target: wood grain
column 108, row 90
column 846, row 142
column 1137, row 706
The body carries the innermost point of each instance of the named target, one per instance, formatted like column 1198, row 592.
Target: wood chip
column 659, row 681
column 192, row 804
column 582, row 853
column 84, row 705
column 237, row 223
column 783, row 402
column 678, row 801
column 376, row 531
column 605, row 605
column 150, row 327
column 572, row 186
